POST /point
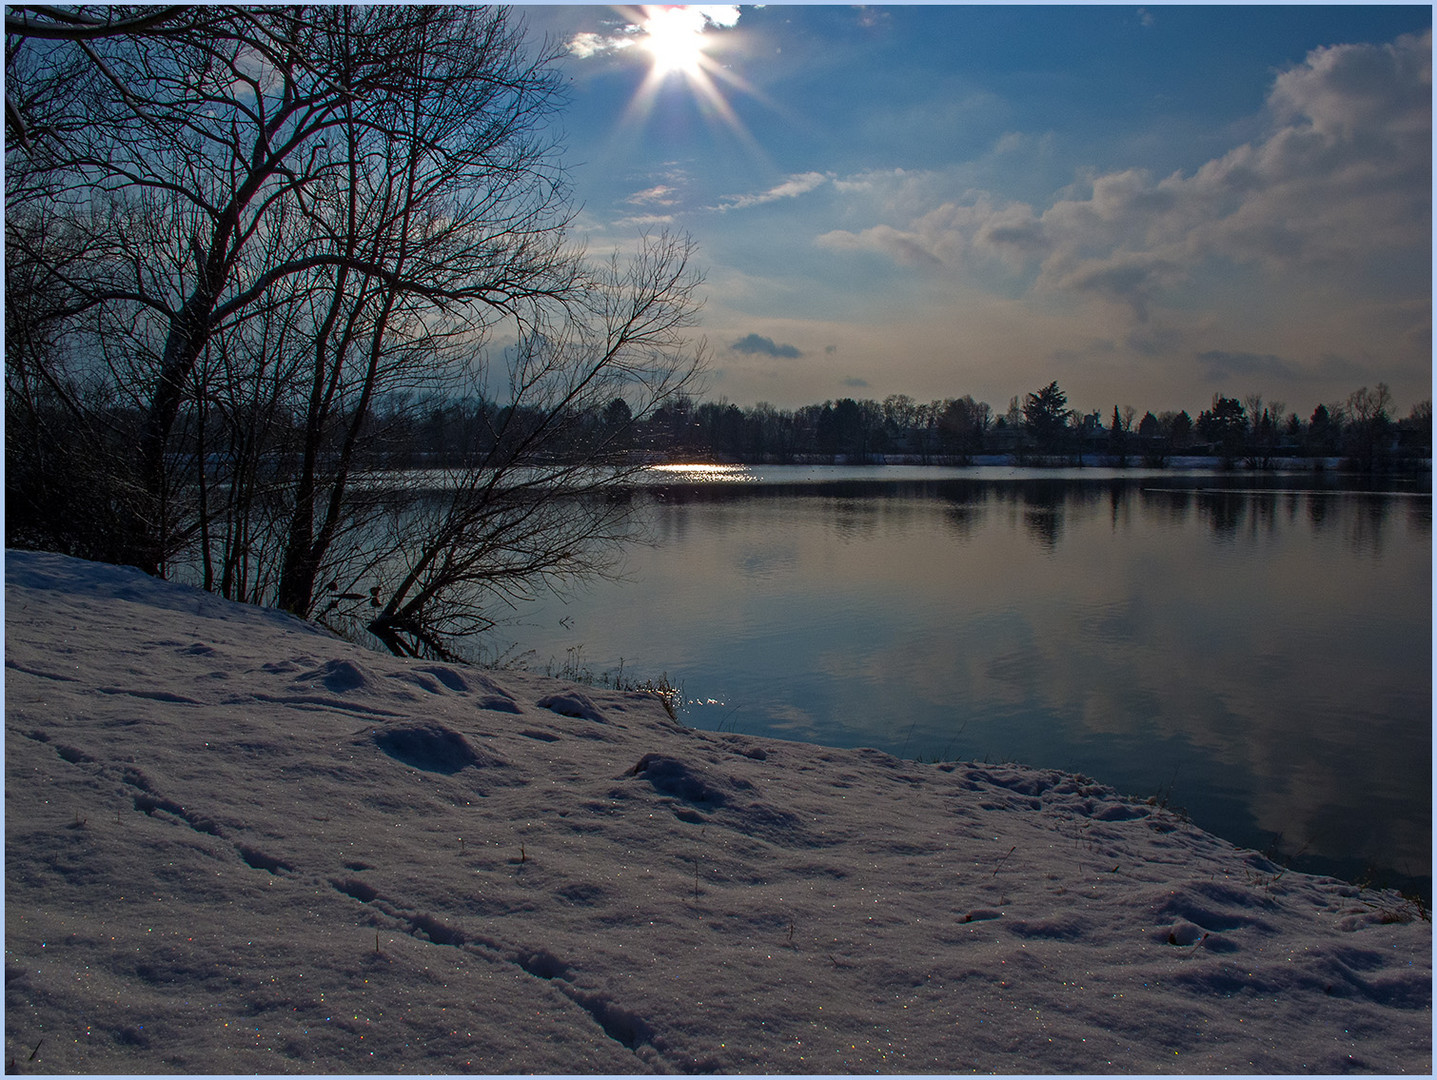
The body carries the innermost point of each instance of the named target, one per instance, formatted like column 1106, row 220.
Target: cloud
column 855, row 383
column 935, row 239
column 898, row 194
column 644, row 221
column 720, row 15
column 753, row 344
column 794, row 186
column 904, row 248
column 1013, row 235
column 1131, row 279
column 588, row 43
column 1338, row 187
column 661, row 194
column 1348, row 91
column 1153, row 341
column 1219, row 366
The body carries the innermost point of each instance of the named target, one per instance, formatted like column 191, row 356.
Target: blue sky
column 1148, row 204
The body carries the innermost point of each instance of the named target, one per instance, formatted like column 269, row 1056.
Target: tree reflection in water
column 1268, row 641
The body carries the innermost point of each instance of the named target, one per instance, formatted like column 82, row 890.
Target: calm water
column 1255, row 650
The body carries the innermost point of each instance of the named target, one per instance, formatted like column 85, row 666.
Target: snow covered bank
column 234, row 844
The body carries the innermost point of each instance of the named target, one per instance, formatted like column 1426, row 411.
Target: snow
column 236, row 844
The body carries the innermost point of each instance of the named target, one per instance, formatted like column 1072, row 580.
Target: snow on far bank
column 234, row 844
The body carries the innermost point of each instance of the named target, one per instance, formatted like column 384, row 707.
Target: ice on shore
column 235, row 844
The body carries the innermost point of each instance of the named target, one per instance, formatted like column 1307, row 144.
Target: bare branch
column 279, row 225
column 60, row 24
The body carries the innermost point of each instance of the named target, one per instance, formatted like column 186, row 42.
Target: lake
column 1255, row 649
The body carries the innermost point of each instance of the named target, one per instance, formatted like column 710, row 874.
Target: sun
column 674, row 37
column 686, row 47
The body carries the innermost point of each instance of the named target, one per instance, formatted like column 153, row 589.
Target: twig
column 1003, row 860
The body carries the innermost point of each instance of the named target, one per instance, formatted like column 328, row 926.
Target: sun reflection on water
column 697, row 473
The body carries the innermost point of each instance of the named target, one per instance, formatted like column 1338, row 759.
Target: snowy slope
column 234, row 844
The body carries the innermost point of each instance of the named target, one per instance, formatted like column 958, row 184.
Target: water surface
column 1254, row 649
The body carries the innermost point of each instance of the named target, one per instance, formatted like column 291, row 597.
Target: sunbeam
column 684, row 45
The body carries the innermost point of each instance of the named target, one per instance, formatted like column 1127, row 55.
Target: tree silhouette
column 1045, row 415
column 1370, row 429
column 251, row 235
column 1224, row 425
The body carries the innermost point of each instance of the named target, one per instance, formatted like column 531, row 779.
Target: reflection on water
column 1264, row 654
column 701, row 474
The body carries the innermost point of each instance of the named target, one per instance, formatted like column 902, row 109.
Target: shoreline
column 1174, row 463
column 1415, row 888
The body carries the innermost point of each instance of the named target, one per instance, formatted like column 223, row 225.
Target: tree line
column 1253, row 432
column 236, row 239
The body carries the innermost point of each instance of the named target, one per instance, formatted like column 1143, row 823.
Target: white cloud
column 659, row 194
column 936, row 239
column 702, row 17
column 1354, row 92
column 905, row 248
column 1342, row 179
column 587, row 43
column 721, row 15
column 897, row 196
column 644, row 221
column 794, row 186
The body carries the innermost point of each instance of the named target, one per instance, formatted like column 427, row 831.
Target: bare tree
column 537, row 504
column 279, row 218
column 1365, row 406
column 964, row 423
column 202, row 146
column 899, row 414
column 1369, row 428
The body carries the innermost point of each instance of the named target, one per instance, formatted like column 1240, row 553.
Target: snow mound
column 235, row 844
column 339, row 677
column 428, row 745
column 669, row 776
column 574, row 704
column 439, row 679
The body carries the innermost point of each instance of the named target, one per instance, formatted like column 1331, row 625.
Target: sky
column 1149, row 205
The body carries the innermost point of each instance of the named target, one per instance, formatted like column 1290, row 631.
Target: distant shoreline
column 1175, row 464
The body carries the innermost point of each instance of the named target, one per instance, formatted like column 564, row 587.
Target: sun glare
column 685, row 46
column 674, row 37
